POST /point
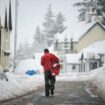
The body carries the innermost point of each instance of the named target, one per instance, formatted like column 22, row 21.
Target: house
column 64, row 44
column 81, row 62
column 95, row 33
column 88, row 59
column 95, row 53
column 5, row 31
column 83, row 34
column 90, row 33
column 72, row 63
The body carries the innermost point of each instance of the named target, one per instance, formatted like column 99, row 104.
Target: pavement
column 66, row 93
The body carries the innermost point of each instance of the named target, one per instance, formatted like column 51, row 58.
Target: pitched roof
column 96, row 47
column 77, row 31
column 73, row 58
column 96, row 23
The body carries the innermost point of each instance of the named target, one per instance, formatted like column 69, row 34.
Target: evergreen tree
column 60, row 23
column 85, row 5
column 20, row 53
column 49, row 26
column 38, row 36
column 39, row 41
column 26, row 50
column 23, row 51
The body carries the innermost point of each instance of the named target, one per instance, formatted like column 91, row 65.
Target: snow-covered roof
column 97, row 47
column 91, row 51
column 91, row 26
column 94, row 49
column 75, row 31
column 73, row 58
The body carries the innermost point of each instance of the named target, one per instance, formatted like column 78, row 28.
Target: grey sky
column 31, row 14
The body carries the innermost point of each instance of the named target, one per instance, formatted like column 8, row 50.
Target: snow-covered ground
column 20, row 83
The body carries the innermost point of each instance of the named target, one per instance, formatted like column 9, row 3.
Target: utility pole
column 15, row 37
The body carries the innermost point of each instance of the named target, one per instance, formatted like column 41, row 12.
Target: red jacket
column 48, row 60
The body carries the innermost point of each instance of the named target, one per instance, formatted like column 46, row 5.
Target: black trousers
column 49, row 82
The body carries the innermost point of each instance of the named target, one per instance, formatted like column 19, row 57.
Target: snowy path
column 66, row 93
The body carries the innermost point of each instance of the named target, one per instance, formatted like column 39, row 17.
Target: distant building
column 65, row 47
column 5, row 31
column 86, row 32
column 72, row 63
column 82, row 62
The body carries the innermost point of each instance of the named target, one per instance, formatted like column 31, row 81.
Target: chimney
column 97, row 18
column 89, row 14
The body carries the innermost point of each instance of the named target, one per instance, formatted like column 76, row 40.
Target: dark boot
column 47, row 93
column 52, row 92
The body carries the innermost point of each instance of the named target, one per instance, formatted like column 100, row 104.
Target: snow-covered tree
column 38, row 35
column 20, row 52
column 49, row 25
column 52, row 25
column 39, row 41
column 26, row 50
column 85, row 5
column 60, row 23
column 23, row 51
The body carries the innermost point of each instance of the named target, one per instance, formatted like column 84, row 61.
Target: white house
column 72, row 63
column 88, row 59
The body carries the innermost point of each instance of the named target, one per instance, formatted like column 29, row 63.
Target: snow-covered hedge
column 98, row 80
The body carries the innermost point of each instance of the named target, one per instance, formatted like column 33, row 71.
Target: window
column 65, row 43
column 73, row 66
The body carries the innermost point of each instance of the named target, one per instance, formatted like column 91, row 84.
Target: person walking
column 49, row 62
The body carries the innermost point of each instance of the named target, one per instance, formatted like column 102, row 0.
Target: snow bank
column 98, row 81
column 18, row 85
column 19, row 82
column 28, row 64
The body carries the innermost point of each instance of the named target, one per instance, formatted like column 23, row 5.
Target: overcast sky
column 31, row 14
